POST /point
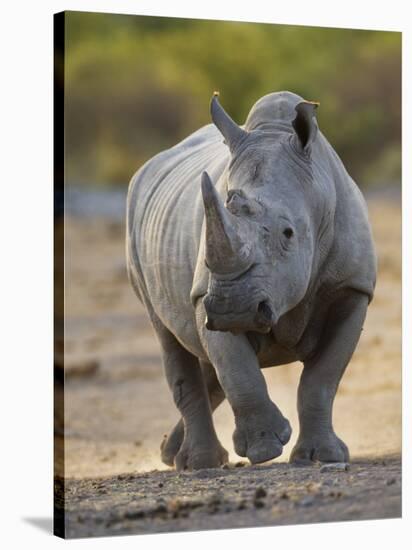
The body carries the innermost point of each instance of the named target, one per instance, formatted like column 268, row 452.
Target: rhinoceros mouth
column 257, row 318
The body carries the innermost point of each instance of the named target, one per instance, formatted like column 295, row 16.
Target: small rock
column 259, row 503
column 215, row 500
column 260, row 493
column 335, row 494
column 134, row 514
column 160, row 484
column 160, row 509
column 334, row 467
column 391, row 481
column 307, row 501
column 175, row 505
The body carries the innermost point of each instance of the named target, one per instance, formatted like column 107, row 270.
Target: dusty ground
column 118, row 407
column 275, row 494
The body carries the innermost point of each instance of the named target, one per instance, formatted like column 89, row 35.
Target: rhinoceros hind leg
column 200, row 447
column 171, row 443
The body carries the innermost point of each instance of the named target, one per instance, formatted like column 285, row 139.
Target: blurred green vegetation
column 136, row 85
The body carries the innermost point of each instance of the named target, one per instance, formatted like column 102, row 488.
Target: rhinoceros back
column 164, row 221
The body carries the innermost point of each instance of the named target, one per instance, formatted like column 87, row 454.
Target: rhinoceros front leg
column 320, row 379
column 261, row 430
column 172, row 443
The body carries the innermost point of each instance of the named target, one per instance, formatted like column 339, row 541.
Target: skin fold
column 250, row 247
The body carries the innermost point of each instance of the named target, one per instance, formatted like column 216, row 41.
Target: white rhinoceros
column 250, row 252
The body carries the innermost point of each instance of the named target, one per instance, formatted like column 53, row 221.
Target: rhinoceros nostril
column 209, row 323
column 265, row 311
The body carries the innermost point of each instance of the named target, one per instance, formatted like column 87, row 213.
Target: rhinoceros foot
column 319, row 448
column 171, row 444
column 195, row 457
column 261, row 437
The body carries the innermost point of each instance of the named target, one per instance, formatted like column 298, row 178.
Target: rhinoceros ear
column 232, row 133
column 305, row 124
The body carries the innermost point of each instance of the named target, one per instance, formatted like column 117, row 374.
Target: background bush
column 136, row 85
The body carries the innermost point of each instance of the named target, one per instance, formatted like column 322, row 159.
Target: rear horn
column 232, row 133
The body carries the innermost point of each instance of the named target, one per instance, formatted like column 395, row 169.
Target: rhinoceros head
column 259, row 244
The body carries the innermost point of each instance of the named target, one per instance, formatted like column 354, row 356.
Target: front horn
column 226, row 251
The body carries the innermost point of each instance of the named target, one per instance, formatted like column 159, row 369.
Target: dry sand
column 118, row 407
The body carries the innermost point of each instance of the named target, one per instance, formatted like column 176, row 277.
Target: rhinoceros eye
column 288, row 232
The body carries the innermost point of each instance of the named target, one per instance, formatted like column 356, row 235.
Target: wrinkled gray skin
column 250, row 252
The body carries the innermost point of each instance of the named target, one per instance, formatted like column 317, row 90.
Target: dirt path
column 278, row 494
column 118, row 407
